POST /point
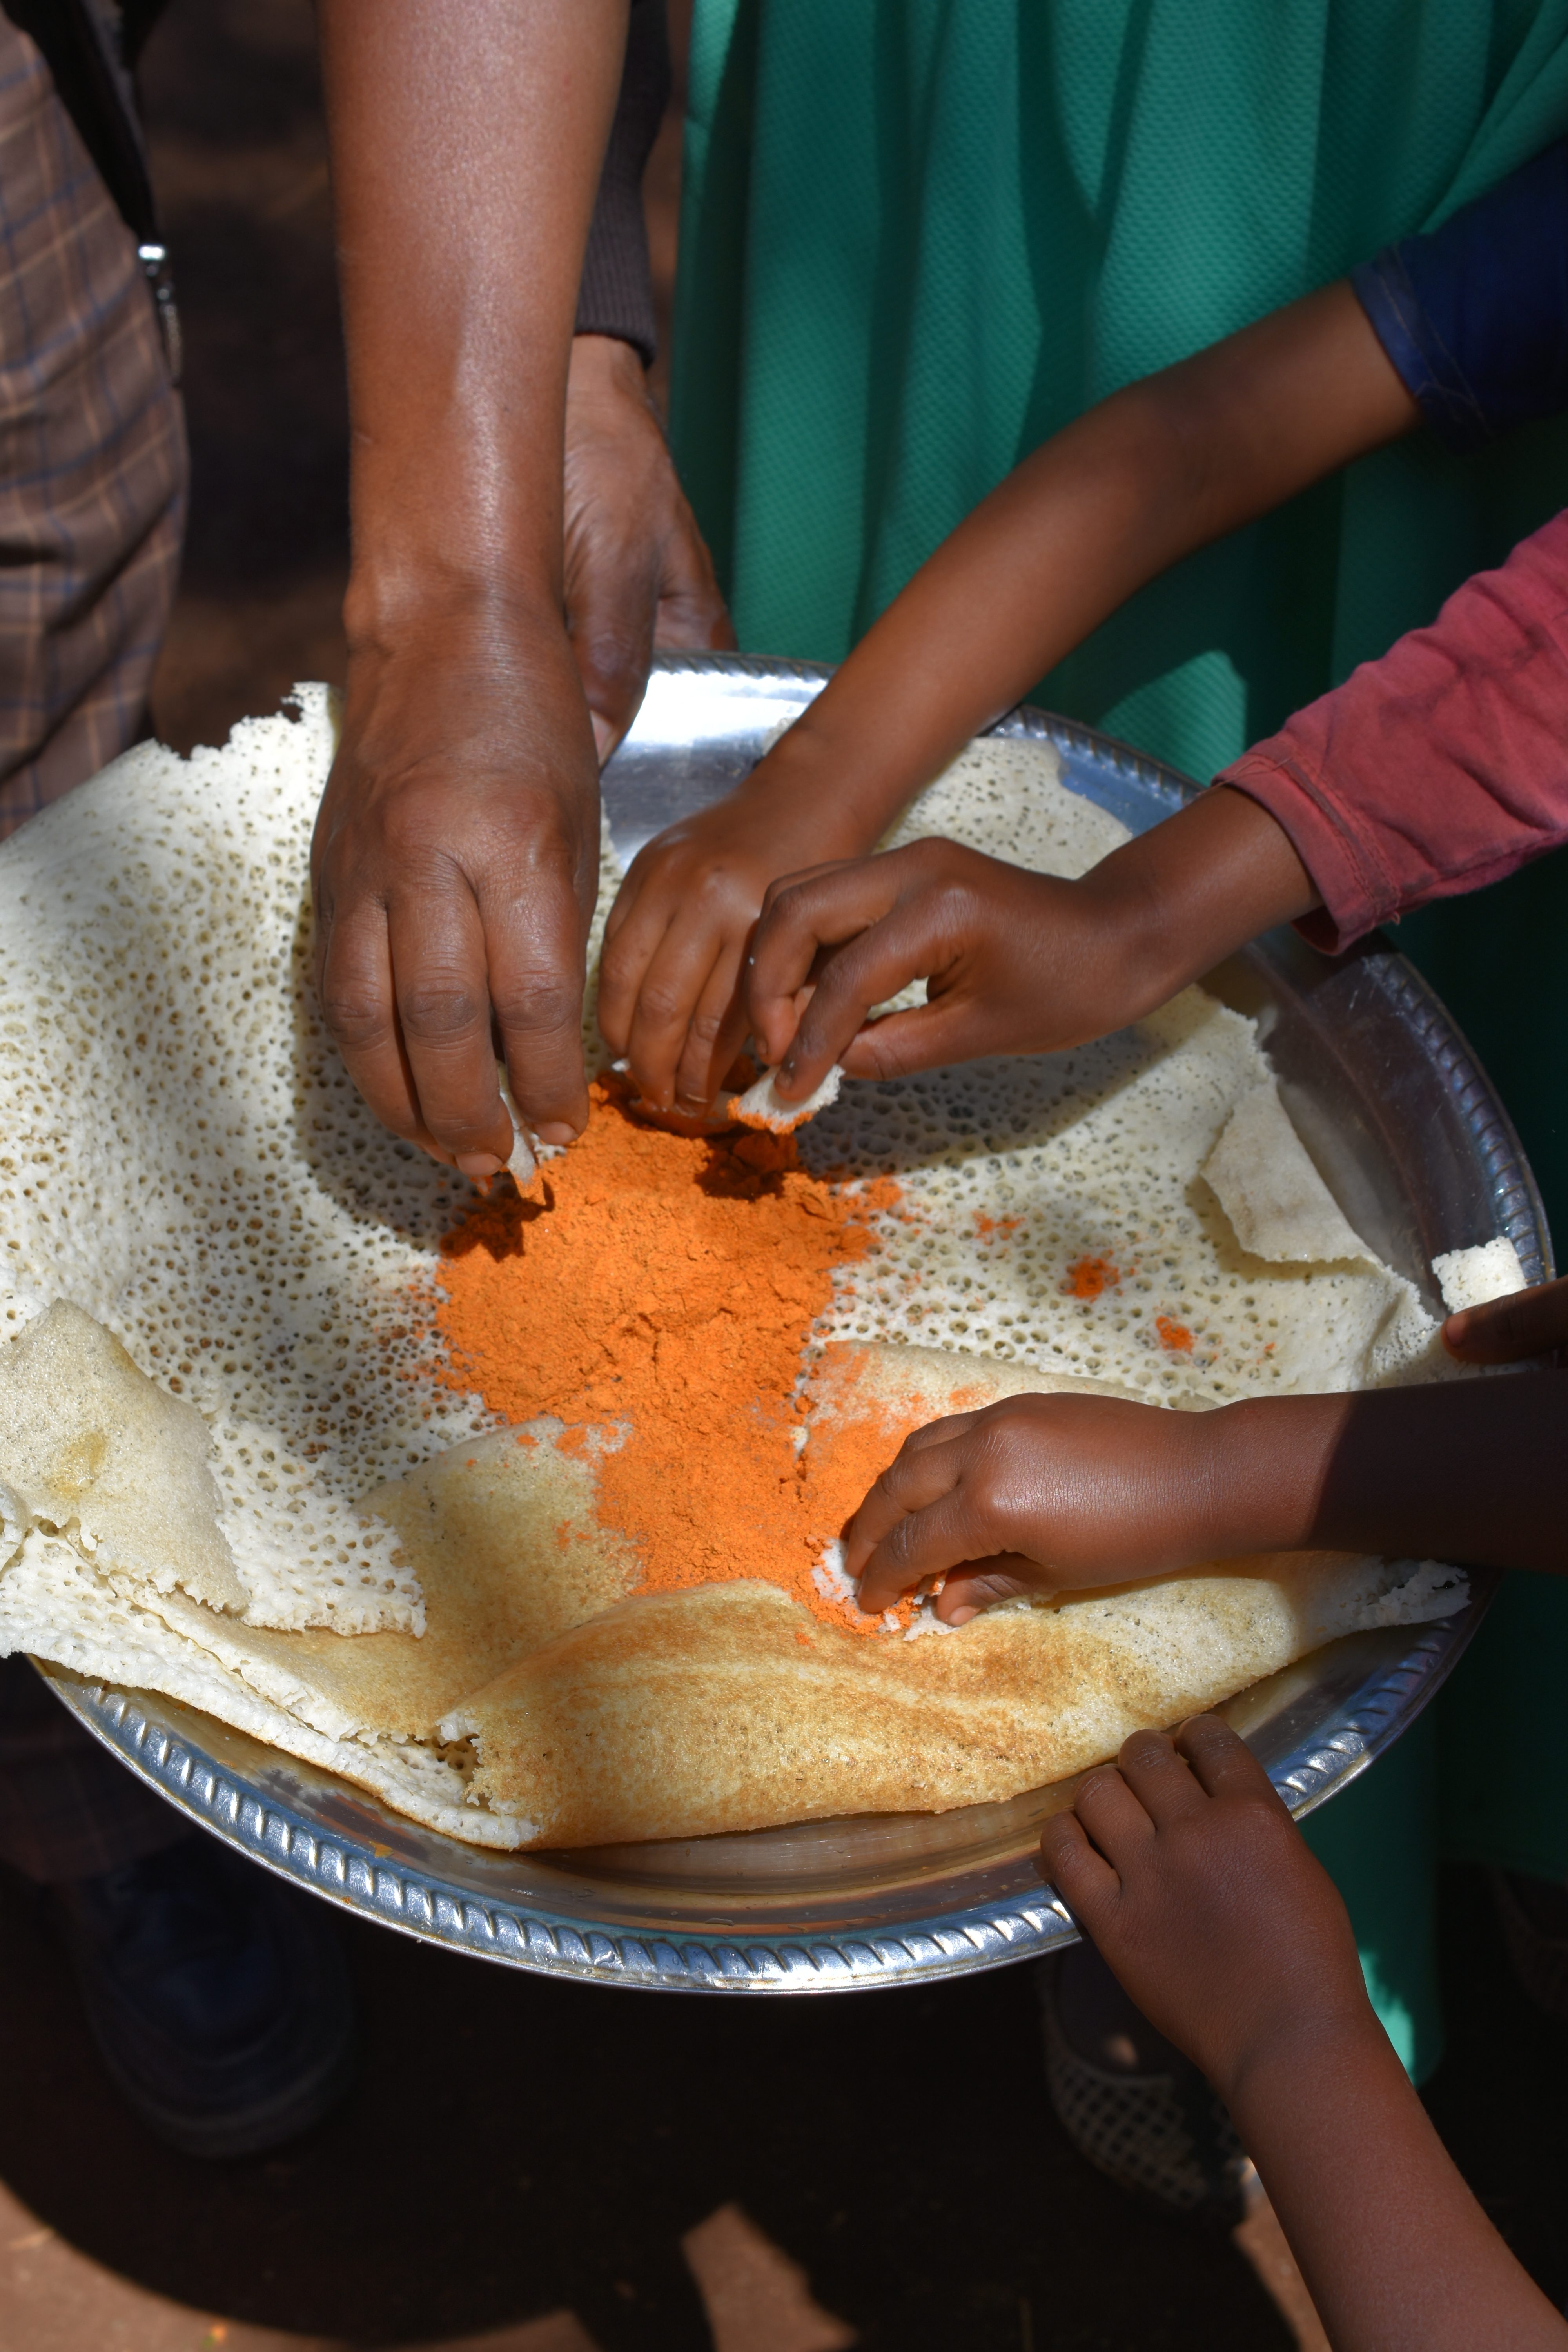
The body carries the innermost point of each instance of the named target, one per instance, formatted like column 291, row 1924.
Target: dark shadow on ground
column 516, row 2146
column 1501, row 2096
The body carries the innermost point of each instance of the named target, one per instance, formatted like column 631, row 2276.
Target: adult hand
column 637, row 573
column 1037, row 1493
column 1182, row 1865
column 455, row 865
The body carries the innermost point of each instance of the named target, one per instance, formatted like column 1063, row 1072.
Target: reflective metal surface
column 1422, row 1159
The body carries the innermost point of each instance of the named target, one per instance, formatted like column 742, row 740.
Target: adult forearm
column 1130, row 486
column 465, row 146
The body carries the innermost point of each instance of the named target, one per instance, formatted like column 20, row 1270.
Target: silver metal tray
column 1422, row 1157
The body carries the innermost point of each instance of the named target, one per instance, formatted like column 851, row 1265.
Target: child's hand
column 670, row 993
column 1015, row 962
column 1185, row 1869
column 1037, row 1493
column 1526, row 1323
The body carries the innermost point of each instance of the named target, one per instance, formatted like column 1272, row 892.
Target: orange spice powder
column 1091, row 1276
column 1172, row 1335
column 663, row 1287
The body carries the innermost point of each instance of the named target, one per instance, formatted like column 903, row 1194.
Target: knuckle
column 433, row 1011
column 879, row 1059
column 357, row 1021
column 661, row 1005
column 537, row 1002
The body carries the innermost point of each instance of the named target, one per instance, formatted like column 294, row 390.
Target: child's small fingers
column 925, row 1542
column 924, row 1037
column 1160, row 1778
column 1223, row 1762
column 1083, row 1879
column 912, row 1479
column 801, row 914
column 716, row 1034
column 1507, row 1331
column 982, row 1583
column 865, row 971
column 669, row 992
column 939, row 1432
column 632, row 938
column 1118, row 1823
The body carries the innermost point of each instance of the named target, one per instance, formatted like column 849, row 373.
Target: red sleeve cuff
column 1357, row 888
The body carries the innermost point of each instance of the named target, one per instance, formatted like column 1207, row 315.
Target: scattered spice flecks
column 1172, row 1335
column 664, row 1287
column 996, row 1228
column 1090, row 1276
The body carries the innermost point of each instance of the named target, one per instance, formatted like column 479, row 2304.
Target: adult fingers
column 437, row 944
column 535, row 937
column 691, row 612
column 1160, row 1778
column 436, row 951
column 358, row 1004
column 1117, row 1822
column 611, row 628
column 1084, row 1879
column 1506, row 1330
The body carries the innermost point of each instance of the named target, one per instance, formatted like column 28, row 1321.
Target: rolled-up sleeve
column 1474, row 315
column 1438, row 769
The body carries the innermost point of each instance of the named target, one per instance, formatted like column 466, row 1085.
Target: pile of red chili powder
column 666, row 1285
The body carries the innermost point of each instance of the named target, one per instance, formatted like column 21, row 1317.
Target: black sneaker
column 1129, row 2101
column 216, row 1994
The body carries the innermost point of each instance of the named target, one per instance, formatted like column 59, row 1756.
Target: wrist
column 605, row 366
column 806, row 781
column 1298, row 2064
column 1181, row 897
column 402, row 606
column 1262, row 1463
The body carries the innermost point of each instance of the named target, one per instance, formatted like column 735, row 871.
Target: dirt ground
column 527, row 2166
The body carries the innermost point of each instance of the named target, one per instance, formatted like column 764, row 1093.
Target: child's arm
column 1013, row 962
column 1158, row 470
column 1060, row 1492
column 1187, row 1870
column 1436, row 770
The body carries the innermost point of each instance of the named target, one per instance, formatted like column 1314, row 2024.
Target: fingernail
column 479, row 1164
column 963, row 1614
column 557, row 1131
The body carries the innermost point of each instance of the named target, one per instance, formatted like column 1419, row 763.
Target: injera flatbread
column 183, row 1160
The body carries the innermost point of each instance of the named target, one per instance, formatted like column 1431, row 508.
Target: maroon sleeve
column 1440, row 768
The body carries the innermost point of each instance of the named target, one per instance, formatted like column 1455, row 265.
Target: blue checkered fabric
column 92, row 455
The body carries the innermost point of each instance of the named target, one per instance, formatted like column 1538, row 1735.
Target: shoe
column 1533, row 1915
column 1129, row 2101
column 217, row 1996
